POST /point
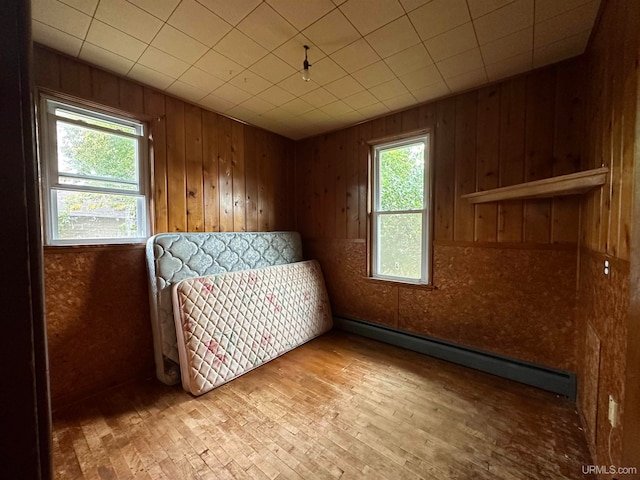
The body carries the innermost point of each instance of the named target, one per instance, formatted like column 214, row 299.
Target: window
column 400, row 220
column 94, row 176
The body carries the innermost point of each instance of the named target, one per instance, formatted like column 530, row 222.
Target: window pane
column 402, row 178
column 83, row 215
column 98, row 183
column 83, row 151
column 95, row 121
column 400, row 245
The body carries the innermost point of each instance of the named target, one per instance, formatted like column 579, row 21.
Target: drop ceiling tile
column 55, row 38
column 216, row 103
column 409, row 60
column 198, row 22
column 509, row 67
column 368, row 16
column 201, row 79
column 128, row 18
column 319, row 97
column 105, row 59
column 231, row 11
column 439, row 16
column 431, row 92
column 296, row 86
column 374, row 110
column 85, row 6
column 257, row 105
column 545, row 9
column 267, row 27
column 174, row 42
column 412, row 4
column 150, row 77
column 250, row 82
column 331, row 32
column 355, row 56
column 459, row 64
column 186, row 91
column 297, row 106
column 360, row 100
column 566, row 24
column 219, row 65
column 276, row 95
column 337, row 108
column 273, row 68
column 394, row 37
column 478, row 8
column 231, row 93
column 400, row 102
column 316, row 117
column 240, row 48
column 292, row 51
column 469, row 79
column 387, row 90
column 242, row 114
column 163, row 62
column 509, row 46
column 158, row 8
column 344, row 87
column 453, row 42
column 421, row 78
column 61, row 16
column 115, row 41
column 509, row 19
column 374, row 74
column 326, row 71
column 560, row 50
column 350, row 118
column 302, row 14
column 339, row 2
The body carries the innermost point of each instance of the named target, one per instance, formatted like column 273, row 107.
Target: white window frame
column 426, row 211
column 49, row 168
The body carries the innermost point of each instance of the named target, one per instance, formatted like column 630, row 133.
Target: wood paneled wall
column 605, row 326
column 504, row 272
column 519, row 130
column 209, row 173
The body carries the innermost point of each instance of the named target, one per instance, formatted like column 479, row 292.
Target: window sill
column 398, row 283
column 93, row 247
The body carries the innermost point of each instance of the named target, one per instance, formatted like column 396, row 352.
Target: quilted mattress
column 172, row 257
column 231, row 323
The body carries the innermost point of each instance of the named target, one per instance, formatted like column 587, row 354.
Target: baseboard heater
column 557, row 381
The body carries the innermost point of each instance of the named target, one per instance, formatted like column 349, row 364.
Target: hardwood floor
column 340, row 406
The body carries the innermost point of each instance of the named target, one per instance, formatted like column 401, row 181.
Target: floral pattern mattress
column 172, row 257
column 231, row 323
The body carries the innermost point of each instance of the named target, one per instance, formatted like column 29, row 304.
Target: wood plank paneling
column 513, row 96
column 225, row 174
column 539, row 151
column 210, row 171
column 353, row 183
column 465, row 171
column 176, row 168
column 251, row 175
column 239, row 178
column 444, row 170
column 155, row 106
column 193, row 157
column 487, row 161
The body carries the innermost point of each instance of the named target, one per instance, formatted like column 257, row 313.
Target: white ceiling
column 243, row 58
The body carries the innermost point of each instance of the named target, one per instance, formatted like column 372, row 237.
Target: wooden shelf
column 572, row 184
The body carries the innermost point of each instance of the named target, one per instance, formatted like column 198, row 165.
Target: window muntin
column 93, row 176
column 400, row 211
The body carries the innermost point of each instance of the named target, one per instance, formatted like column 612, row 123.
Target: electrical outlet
column 607, row 267
column 613, row 412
